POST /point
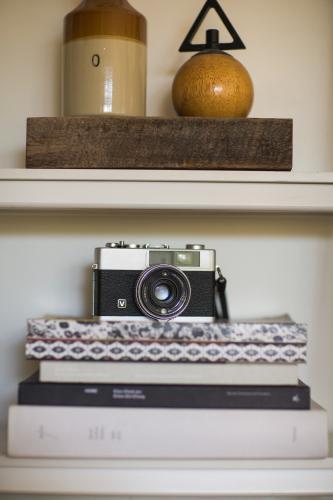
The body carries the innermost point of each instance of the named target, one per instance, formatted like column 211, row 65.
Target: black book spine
column 165, row 396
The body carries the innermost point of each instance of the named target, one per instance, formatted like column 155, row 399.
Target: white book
column 68, row 432
column 168, row 373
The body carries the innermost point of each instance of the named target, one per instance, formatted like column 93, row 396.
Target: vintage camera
column 136, row 282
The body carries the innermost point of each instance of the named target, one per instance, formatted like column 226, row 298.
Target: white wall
column 289, row 55
column 275, row 264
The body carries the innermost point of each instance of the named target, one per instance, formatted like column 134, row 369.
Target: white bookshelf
column 272, row 230
column 201, row 191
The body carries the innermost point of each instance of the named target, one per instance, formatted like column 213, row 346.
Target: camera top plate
column 149, row 246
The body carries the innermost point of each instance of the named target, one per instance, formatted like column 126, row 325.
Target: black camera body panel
column 114, row 294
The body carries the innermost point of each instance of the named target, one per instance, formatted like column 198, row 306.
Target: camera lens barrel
column 162, row 292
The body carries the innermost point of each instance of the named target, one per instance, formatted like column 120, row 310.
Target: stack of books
column 166, row 390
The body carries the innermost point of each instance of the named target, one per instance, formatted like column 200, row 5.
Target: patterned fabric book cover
column 169, row 352
column 264, row 332
column 73, row 339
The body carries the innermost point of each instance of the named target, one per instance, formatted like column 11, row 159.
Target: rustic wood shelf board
column 109, row 142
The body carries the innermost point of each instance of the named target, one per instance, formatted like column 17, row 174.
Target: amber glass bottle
column 104, row 59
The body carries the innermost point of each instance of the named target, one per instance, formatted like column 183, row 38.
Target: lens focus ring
column 162, row 292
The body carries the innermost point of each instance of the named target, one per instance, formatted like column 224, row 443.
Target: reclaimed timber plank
column 114, row 142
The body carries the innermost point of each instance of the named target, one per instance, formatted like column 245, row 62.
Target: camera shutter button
column 112, row 245
column 195, row 246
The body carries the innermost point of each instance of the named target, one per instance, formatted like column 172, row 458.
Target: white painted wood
column 176, row 478
column 22, row 189
column 167, row 175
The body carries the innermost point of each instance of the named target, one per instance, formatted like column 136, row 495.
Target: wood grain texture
column 110, row 142
column 213, row 85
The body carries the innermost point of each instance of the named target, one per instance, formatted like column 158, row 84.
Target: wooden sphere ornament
column 212, row 83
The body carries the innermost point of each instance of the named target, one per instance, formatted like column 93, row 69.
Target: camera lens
column 162, row 292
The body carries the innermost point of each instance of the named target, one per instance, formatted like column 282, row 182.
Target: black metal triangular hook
column 188, row 46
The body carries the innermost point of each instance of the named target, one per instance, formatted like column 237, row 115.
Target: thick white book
column 168, row 373
column 68, row 432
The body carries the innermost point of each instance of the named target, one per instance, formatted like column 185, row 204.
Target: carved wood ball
column 213, row 85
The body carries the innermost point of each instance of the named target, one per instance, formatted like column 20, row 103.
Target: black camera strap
column 221, row 285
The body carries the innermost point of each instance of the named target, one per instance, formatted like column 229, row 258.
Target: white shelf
column 215, row 191
column 181, row 478
column 39, row 190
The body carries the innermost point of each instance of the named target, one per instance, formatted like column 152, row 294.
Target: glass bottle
column 104, row 63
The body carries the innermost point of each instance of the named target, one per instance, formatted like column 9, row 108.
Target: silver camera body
column 139, row 282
